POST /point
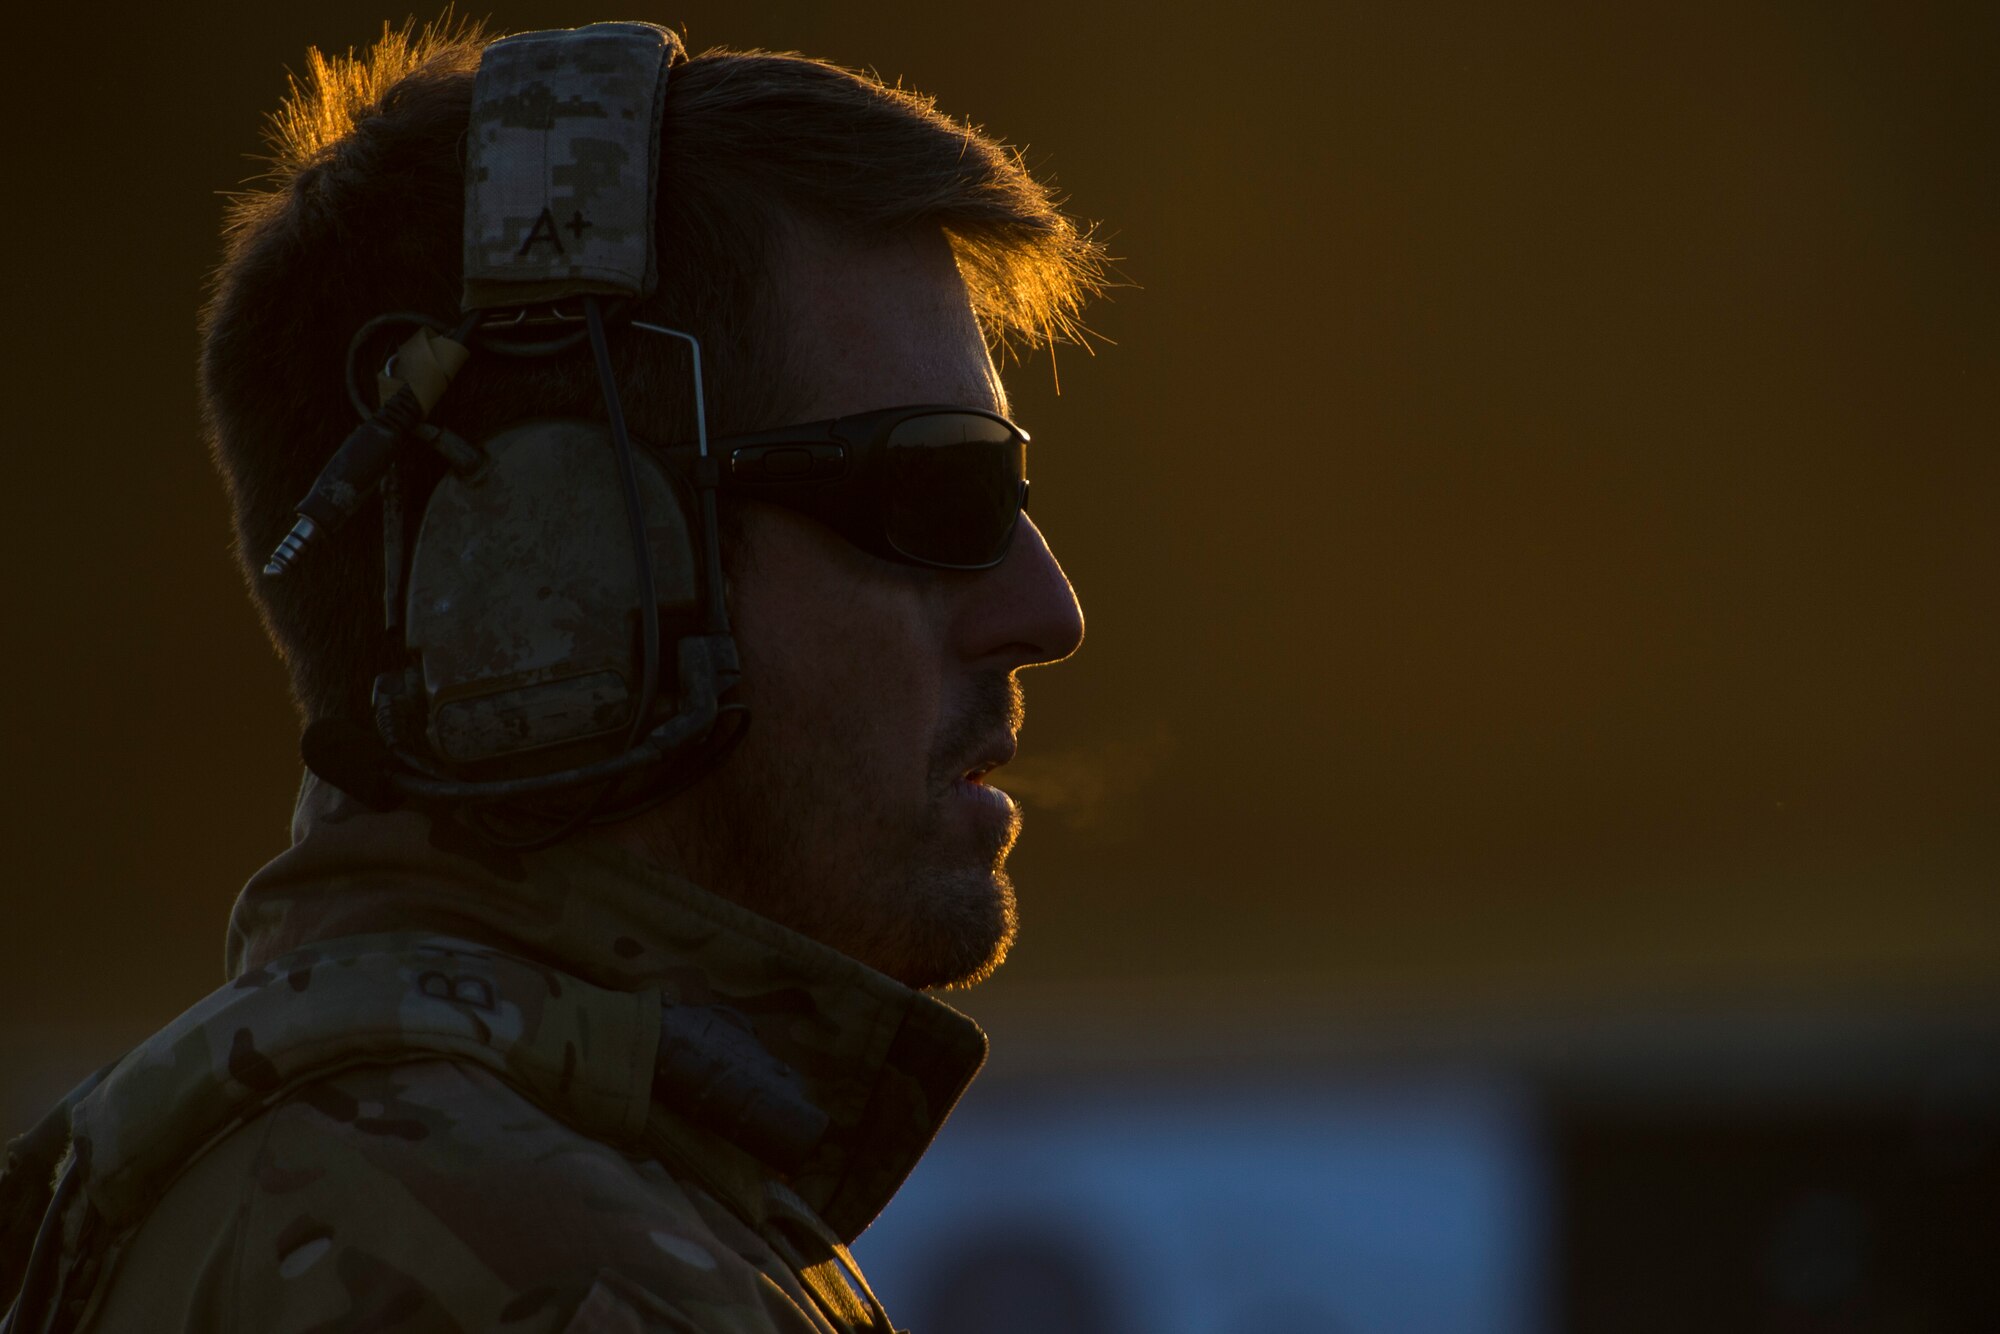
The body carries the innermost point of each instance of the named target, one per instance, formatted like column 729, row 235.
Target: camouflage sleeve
column 427, row 1197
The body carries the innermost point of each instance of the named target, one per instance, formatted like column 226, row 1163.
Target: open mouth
column 985, row 760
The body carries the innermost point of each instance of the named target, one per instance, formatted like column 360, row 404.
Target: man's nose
column 1022, row 611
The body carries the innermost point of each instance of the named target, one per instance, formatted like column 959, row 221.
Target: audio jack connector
column 288, row 550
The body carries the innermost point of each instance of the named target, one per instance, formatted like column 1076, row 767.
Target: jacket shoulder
column 432, row 1196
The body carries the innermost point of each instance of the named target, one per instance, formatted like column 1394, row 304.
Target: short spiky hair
column 360, row 214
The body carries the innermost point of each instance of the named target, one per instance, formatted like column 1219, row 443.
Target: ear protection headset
column 568, row 652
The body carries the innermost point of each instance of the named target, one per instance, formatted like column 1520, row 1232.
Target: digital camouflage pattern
column 562, row 164
column 450, row 1088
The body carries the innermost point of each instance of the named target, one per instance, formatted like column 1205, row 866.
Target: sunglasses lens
column 952, row 488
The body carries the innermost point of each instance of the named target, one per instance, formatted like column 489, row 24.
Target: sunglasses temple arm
column 715, row 611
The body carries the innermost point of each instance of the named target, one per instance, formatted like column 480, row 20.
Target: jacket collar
column 884, row 1062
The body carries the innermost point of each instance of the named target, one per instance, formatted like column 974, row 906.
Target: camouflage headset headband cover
column 562, row 164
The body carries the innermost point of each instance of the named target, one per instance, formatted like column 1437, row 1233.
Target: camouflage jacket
column 450, row 1088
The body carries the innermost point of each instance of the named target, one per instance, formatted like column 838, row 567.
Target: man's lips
column 988, row 760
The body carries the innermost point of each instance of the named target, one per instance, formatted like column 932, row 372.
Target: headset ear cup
column 522, row 606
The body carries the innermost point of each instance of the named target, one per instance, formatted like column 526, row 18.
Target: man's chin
column 943, row 918
column 957, row 928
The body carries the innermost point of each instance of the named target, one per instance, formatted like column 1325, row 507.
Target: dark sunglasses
column 928, row 485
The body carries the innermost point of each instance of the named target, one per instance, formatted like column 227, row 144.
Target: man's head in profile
column 838, row 247
column 656, row 604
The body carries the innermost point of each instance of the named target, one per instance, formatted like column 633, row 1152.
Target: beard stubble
column 794, row 832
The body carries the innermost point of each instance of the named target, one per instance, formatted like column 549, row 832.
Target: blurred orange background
column 1535, row 505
